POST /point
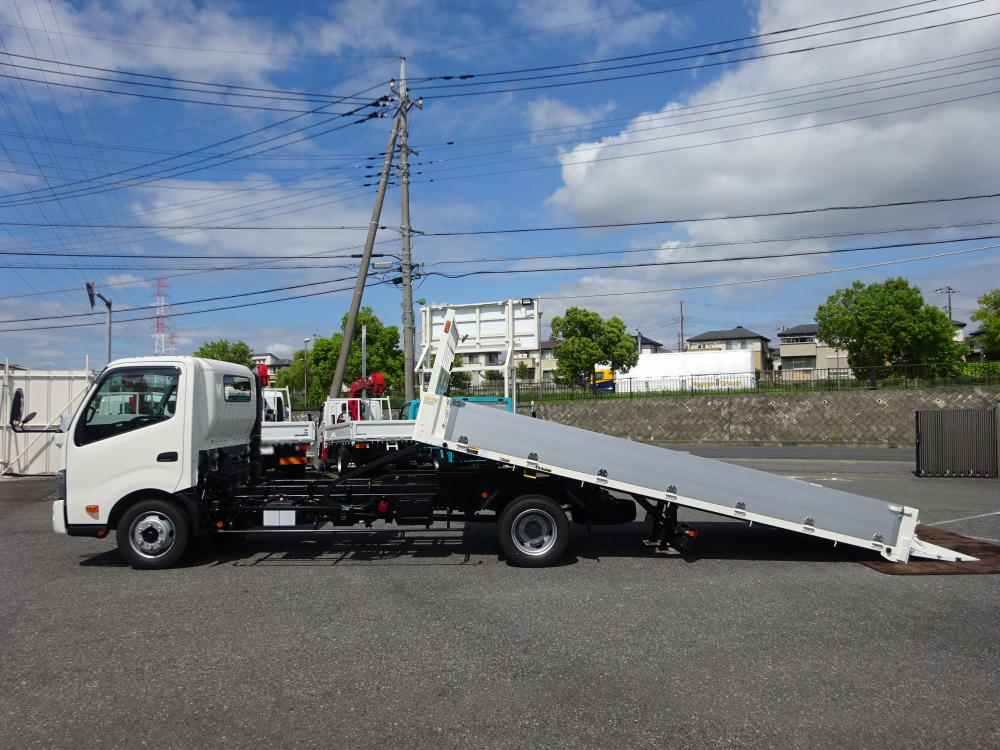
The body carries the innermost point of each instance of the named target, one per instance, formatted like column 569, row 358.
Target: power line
column 179, row 314
column 551, row 28
column 697, row 66
column 185, row 302
column 198, row 227
column 285, row 92
column 729, row 243
column 716, row 43
column 139, row 95
column 250, row 266
column 201, row 49
column 690, row 109
column 771, row 278
column 696, row 261
column 711, row 143
column 685, row 123
column 191, row 152
column 729, row 217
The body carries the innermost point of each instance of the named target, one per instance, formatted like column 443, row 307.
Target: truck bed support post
column 366, row 257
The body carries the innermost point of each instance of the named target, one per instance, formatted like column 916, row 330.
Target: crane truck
column 356, row 408
column 190, row 465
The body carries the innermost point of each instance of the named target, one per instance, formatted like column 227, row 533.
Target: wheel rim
column 152, row 535
column 534, row 532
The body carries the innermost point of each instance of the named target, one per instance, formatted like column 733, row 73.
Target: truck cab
column 153, row 431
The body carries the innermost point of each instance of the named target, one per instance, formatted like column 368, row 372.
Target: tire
column 153, row 534
column 343, row 460
column 534, row 531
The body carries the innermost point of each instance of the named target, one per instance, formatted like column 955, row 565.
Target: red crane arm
column 375, row 381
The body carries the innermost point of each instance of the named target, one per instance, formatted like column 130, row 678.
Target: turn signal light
column 101, row 532
column 692, row 533
column 219, row 525
column 93, row 509
column 485, row 495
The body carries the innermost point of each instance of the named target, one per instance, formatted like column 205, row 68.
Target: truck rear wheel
column 152, row 534
column 534, row 531
column 343, row 460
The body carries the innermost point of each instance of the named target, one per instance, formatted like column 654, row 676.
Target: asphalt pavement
column 765, row 639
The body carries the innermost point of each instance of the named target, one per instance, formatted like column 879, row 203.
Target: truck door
column 135, row 446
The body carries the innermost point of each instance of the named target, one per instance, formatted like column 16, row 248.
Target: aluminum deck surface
column 560, row 446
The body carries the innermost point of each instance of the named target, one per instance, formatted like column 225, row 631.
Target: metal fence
column 49, row 393
column 786, row 381
column 958, row 443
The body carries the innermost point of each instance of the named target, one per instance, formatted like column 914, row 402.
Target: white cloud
column 281, row 350
column 607, row 35
column 162, row 27
column 545, row 113
column 946, row 150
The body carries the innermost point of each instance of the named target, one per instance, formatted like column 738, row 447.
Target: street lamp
column 305, row 377
column 91, row 292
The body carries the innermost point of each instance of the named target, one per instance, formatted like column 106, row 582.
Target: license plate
column 267, row 450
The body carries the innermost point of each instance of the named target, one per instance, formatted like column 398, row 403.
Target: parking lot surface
column 430, row 639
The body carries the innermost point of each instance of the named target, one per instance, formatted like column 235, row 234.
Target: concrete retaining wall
column 852, row 417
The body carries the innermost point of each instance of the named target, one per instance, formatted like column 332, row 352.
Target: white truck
column 285, row 445
column 696, row 371
column 175, row 473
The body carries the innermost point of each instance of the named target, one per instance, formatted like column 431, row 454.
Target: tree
column 988, row 317
column 226, row 351
column 459, row 381
column 383, row 354
column 293, row 377
column 523, row 370
column 493, row 376
column 887, row 323
column 585, row 340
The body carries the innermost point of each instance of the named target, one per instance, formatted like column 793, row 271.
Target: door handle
column 167, row 457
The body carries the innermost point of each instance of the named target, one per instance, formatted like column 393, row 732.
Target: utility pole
column 638, row 341
column 683, row 346
column 949, row 291
column 405, row 104
column 366, row 257
column 305, row 377
column 91, row 292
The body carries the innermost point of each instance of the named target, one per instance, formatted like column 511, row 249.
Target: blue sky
column 114, row 129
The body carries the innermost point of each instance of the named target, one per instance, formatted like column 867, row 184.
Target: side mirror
column 16, row 407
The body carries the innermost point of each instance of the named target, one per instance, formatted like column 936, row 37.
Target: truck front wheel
column 152, row 534
column 533, row 531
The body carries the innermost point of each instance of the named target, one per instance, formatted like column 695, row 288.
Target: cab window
column 128, row 400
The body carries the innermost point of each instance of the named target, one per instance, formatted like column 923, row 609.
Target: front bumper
column 59, row 516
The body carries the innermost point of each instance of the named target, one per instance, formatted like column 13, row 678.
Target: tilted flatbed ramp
column 664, row 475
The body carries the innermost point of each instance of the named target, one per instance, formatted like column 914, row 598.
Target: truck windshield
column 128, row 400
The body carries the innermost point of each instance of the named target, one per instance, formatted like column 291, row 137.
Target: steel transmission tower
column 161, row 330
